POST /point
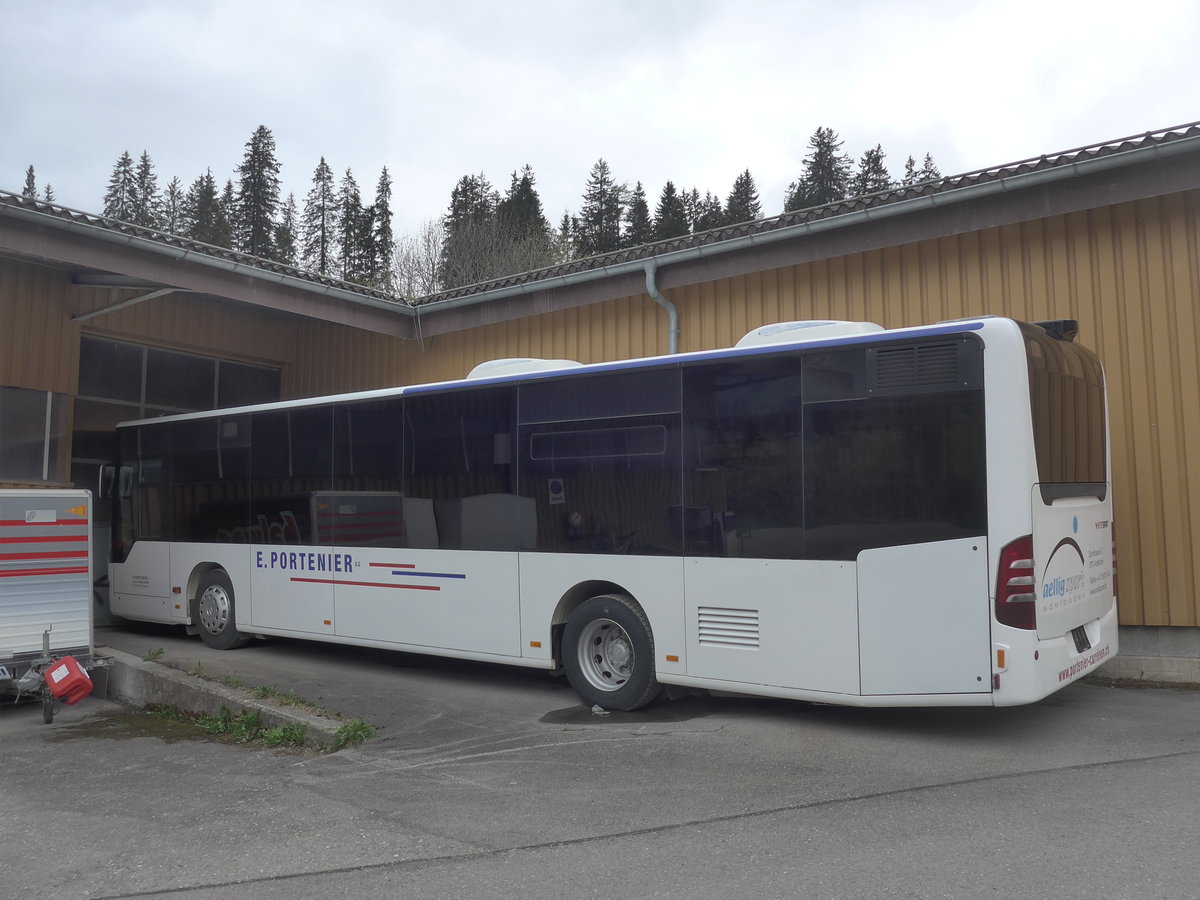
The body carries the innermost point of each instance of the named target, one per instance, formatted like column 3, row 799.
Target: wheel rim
column 606, row 655
column 215, row 608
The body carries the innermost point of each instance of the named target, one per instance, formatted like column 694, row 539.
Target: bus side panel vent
column 918, row 368
column 719, row 627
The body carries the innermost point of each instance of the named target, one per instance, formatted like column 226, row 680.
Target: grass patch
column 244, row 728
column 353, row 732
column 287, row 698
column 153, row 655
column 284, row 736
column 247, row 728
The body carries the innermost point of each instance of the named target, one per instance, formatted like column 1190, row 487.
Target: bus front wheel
column 608, row 652
column 214, row 612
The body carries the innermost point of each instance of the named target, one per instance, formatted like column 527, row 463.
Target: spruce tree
column 520, row 211
column 872, row 175
column 203, row 217
column 145, row 194
column 826, row 176
column 383, row 243
column 48, row 193
column 351, row 224
column 910, row 172
column 563, row 249
column 257, row 196
column 709, row 213
column 599, row 228
column 670, row 216
column 231, row 214
column 742, row 204
column 469, row 247
column 639, row 229
column 30, row 189
column 285, row 233
column 691, row 206
column 929, row 171
column 170, row 211
column 318, row 243
column 523, row 239
column 119, row 198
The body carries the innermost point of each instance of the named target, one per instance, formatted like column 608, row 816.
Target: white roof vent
column 502, row 368
column 811, row 330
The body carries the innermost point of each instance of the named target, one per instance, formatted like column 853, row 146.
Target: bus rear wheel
column 608, row 653
column 213, row 612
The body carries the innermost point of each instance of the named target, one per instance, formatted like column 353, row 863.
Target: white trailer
column 45, row 589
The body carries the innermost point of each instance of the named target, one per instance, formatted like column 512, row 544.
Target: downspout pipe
column 672, row 313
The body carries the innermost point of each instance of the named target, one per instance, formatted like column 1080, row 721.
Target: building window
column 120, row 381
column 33, row 436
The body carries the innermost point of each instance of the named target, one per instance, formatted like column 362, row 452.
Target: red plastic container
column 68, row 680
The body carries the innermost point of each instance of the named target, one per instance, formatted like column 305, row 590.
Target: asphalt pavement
column 485, row 781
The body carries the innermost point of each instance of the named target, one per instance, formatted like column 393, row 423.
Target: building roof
column 1063, row 162
column 99, row 250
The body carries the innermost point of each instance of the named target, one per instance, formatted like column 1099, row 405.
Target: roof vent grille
column 921, row 367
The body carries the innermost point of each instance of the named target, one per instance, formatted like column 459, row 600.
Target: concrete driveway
column 492, row 782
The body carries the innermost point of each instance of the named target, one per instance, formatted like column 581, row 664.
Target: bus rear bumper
column 1035, row 668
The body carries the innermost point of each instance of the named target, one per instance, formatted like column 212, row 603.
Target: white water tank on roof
column 808, row 330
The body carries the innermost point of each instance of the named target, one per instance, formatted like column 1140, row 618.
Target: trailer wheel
column 48, row 709
column 608, row 652
column 213, row 612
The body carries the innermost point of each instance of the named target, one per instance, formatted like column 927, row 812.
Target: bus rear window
column 1066, row 387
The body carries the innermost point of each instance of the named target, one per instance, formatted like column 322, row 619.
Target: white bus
column 830, row 512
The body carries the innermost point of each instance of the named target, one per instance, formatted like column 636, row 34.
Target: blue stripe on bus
column 408, row 573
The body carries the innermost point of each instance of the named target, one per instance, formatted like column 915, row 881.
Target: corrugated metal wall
column 36, row 351
column 1129, row 273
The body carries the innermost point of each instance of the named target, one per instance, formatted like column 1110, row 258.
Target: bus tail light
column 1016, row 604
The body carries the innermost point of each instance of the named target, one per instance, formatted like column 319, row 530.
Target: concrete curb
column 1165, row 669
column 135, row 682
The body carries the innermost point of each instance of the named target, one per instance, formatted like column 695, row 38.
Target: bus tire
column 213, row 612
column 608, row 653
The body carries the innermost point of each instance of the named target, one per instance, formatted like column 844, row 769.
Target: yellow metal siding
column 36, row 350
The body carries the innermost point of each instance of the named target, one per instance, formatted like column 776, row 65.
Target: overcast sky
column 692, row 91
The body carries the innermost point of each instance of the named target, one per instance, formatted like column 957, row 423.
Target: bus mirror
column 107, row 475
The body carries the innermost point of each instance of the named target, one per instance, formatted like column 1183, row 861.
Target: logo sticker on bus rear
column 1063, row 581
